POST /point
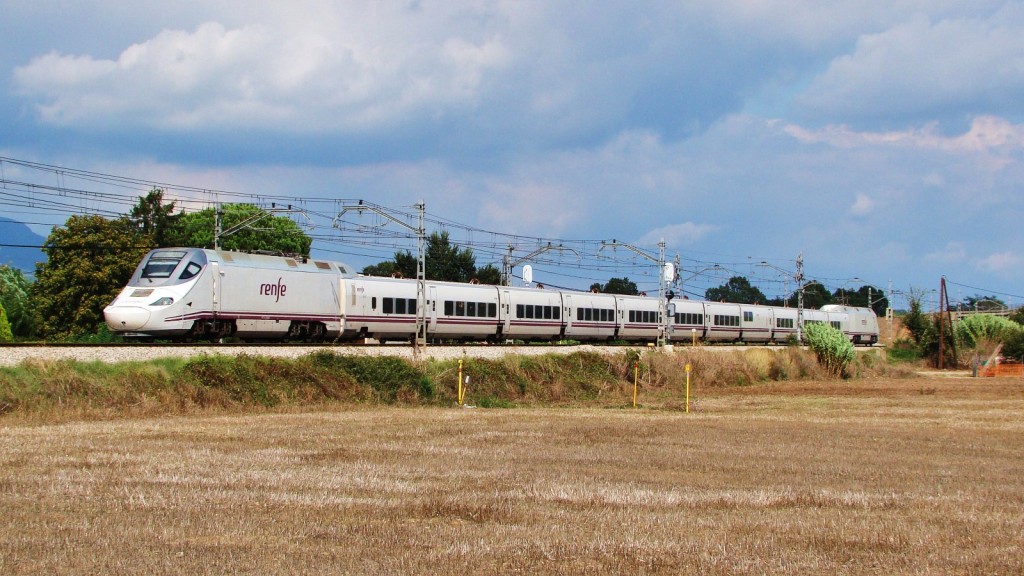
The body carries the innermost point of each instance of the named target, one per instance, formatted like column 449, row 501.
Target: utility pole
column 663, row 324
column 507, row 263
column 420, row 342
column 800, row 297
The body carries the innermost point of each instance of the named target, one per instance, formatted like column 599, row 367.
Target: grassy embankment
column 63, row 390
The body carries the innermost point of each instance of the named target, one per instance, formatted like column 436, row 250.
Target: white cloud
column 926, row 66
column 1001, row 262
column 678, row 235
column 264, row 75
column 986, row 134
column 952, row 253
column 863, row 205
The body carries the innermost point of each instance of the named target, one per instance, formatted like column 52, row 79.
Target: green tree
column 269, row 233
column 444, row 261
column 156, row 219
column 737, row 290
column 865, row 297
column 5, row 327
column 617, row 286
column 89, row 261
column 983, row 303
column 15, row 297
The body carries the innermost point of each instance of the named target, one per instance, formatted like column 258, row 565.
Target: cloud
column 1001, row 262
column 678, row 235
column 952, row 253
column 261, row 76
column 862, row 206
column 925, row 67
column 986, row 134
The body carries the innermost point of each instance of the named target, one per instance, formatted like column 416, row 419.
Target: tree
column 737, row 290
column 15, row 292
column 5, row 327
column 270, row 234
column 865, row 297
column 89, row 261
column 443, row 262
column 984, row 303
column 155, row 218
column 617, row 286
column 816, row 296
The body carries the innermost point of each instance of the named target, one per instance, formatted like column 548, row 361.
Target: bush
column 832, row 348
column 984, row 330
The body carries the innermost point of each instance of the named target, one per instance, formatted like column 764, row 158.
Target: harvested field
column 910, row 476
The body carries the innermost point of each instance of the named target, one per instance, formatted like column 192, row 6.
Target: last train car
column 193, row 293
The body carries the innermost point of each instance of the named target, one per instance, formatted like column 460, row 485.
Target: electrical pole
column 800, row 298
column 663, row 325
column 420, row 341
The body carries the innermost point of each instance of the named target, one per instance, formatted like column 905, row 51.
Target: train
column 196, row 294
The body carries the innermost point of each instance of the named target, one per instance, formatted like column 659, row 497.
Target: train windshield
column 162, row 263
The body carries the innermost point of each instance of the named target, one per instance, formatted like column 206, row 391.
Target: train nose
column 126, row 318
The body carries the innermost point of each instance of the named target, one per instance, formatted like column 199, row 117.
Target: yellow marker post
column 636, row 377
column 460, row 382
column 688, row 368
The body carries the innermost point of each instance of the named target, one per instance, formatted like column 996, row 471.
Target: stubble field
column 911, row 476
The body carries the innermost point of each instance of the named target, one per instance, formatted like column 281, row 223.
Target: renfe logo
column 276, row 290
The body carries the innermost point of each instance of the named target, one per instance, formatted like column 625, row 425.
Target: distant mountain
column 14, row 239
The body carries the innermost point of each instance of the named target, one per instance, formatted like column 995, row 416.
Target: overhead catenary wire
column 73, row 191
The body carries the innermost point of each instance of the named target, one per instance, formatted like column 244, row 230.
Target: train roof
column 257, row 260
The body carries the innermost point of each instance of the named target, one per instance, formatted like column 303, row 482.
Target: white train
column 194, row 294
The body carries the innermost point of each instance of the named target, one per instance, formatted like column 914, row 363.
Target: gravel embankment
column 14, row 356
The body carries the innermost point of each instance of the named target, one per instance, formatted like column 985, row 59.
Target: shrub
column 983, row 330
column 832, row 348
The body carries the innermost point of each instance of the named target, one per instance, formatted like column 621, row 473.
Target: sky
column 882, row 141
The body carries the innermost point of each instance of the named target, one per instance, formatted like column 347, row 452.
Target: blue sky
column 883, row 140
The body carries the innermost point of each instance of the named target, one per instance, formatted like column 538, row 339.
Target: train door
column 431, row 314
column 215, row 284
column 505, row 311
column 567, row 314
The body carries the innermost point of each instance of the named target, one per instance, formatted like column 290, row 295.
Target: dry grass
column 914, row 476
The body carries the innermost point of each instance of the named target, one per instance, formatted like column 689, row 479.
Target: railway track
column 11, row 354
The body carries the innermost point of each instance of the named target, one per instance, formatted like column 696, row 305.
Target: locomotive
column 200, row 294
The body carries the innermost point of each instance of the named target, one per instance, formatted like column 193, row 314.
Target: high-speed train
column 197, row 294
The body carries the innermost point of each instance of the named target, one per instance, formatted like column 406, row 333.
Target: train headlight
column 165, row 301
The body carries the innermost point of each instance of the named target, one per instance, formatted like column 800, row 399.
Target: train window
column 481, row 309
column 449, row 308
column 835, row 325
column 748, row 316
column 470, row 308
column 388, row 305
column 632, row 315
column 460, row 308
column 373, row 303
column 519, row 311
column 411, row 306
column 783, row 322
column 726, row 320
column 162, row 263
column 492, row 310
column 190, row 271
column 555, row 313
column 401, row 305
column 579, row 313
column 547, row 312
